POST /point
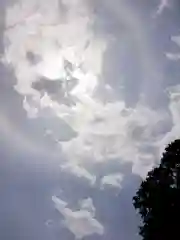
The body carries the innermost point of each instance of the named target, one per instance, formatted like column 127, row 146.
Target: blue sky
column 90, row 96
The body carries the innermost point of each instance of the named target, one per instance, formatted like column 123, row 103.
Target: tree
column 158, row 198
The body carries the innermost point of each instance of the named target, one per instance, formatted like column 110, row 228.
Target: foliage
column 158, row 198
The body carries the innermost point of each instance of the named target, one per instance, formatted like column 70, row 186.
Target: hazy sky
column 90, row 95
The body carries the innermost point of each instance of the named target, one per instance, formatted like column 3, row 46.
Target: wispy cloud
column 79, row 172
column 163, row 4
column 82, row 222
column 174, row 56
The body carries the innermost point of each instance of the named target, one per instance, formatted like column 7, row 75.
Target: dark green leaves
column 158, row 198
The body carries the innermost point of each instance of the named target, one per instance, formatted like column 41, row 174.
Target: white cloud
column 173, row 57
column 118, row 135
column 79, row 172
column 163, row 4
column 82, row 222
column 104, row 131
column 87, row 204
column 174, row 103
column 176, row 39
column 112, row 180
column 31, row 112
column 59, row 204
column 37, row 27
column 174, row 107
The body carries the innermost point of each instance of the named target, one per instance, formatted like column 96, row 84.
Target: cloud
column 174, row 133
column 82, row 222
column 173, row 93
column 113, row 180
column 176, row 39
column 87, row 204
column 173, row 57
column 79, row 172
column 58, row 58
column 163, row 4
column 114, row 132
column 52, row 39
column 59, row 204
column 65, row 47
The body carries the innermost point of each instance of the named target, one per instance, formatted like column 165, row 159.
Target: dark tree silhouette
column 158, row 198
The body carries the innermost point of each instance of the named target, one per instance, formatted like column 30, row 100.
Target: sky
column 90, row 96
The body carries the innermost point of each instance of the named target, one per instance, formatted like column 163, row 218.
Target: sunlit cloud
column 64, row 47
column 58, row 55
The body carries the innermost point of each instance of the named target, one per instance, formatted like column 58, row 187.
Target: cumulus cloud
column 82, row 222
column 124, row 134
column 58, row 62
column 113, row 180
column 65, row 48
column 43, row 43
column 57, row 59
column 51, row 38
